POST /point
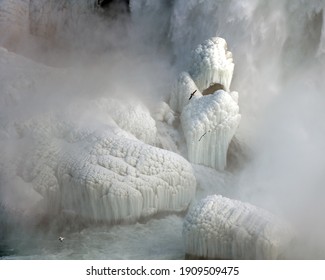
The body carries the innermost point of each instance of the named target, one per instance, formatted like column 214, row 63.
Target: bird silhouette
column 203, row 135
column 192, row 94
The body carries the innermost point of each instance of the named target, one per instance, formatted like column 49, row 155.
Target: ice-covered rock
column 222, row 228
column 108, row 176
column 132, row 116
column 92, row 158
column 209, row 123
column 212, row 63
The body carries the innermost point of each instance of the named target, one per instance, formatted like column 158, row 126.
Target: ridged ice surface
column 93, row 160
column 181, row 92
column 221, row 228
column 212, row 63
column 209, row 123
column 113, row 178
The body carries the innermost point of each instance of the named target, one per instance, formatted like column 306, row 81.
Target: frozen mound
column 83, row 157
column 212, row 63
column 209, row 121
column 132, row 116
column 108, row 176
column 222, row 228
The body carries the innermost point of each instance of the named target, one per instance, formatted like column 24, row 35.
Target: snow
column 221, row 228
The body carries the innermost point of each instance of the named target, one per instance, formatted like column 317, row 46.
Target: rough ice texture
column 212, row 63
column 132, row 116
column 209, row 123
column 181, row 92
column 85, row 158
column 221, row 228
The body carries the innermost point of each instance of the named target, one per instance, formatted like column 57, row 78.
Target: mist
column 76, row 55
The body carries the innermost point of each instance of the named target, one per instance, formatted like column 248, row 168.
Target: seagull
column 203, row 135
column 192, row 94
column 61, row 239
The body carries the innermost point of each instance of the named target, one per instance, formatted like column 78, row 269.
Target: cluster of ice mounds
column 222, row 228
column 209, row 122
column 93, row 159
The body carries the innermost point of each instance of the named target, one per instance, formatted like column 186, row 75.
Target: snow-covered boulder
column 209, row 112
column 107, row 175
column 222, row 228
column 114, row 178
column 209, row 123
column 212, row 63
column 130, row 115
column 92, row 158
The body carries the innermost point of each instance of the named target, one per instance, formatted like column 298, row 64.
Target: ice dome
column 222, row 228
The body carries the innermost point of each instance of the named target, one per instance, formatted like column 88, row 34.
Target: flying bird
column 192, row 94
column 203, row 135
column 61, row 239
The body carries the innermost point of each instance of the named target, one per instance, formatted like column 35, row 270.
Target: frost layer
column 209, row 123
column 212, row 63
column 84, row 158
column 221, row 228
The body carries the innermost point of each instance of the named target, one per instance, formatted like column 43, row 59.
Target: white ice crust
column 94, row 159
column 212, row 63
column 222, row 228
column 208, row 122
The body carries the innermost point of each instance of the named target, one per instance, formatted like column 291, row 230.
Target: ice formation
column 181, row 91
column 208, row 122
column 212, row 63
column 221, row 228
column 92, row 159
